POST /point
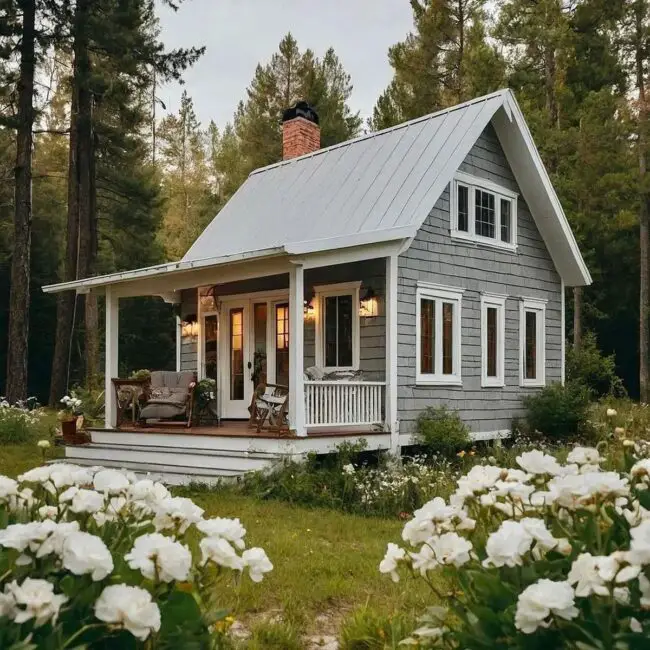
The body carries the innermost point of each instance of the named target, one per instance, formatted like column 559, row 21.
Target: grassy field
column 325, row 562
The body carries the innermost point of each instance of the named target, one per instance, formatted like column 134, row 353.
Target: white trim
column 484, row 184
column 563, row 332
column 296, row 350
column 440, row 288
column 473, row 183
column 178, row 343
column 347, row 241
column 498, row 303
column 437, row 378
column 391, row 352
column 327, row 291
column 111, row 356
column 539, row 308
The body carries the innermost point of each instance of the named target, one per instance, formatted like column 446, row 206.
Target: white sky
column 238, row 34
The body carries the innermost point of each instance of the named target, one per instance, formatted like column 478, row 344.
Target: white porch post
column 296, row 350
column 391, row 352
column 111, row 363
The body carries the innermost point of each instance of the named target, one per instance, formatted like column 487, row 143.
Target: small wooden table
column 127, row 396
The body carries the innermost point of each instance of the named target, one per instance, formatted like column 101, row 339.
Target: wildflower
column 506, row 546
column 540, row 600
column 584, row 456
column 348, row 469
column 111, row 481
column 537, row 462
column 43, row 444
column 129, row 607
column 619, row 431
column 220, row 551
column 611, row 413
column 177, row 512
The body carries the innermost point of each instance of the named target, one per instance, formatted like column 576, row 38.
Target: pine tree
column 446, row 60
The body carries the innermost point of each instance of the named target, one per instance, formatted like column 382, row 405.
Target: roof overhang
column 186, row 274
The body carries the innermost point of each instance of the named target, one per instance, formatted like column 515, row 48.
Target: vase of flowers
column 69, row 418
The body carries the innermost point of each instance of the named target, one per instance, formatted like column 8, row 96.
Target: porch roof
column 295, row 250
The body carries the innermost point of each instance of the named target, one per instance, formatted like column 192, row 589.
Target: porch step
column 172, row 465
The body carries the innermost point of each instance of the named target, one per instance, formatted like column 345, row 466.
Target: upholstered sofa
column 169, row 396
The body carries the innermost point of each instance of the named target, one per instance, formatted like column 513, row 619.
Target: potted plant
column 69, row 416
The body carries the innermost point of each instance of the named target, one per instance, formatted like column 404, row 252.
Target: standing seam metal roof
column 384, row 180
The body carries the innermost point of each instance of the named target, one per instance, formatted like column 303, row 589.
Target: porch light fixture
column 369, row 304
column 309, row 310
column 189, row 328
column 208, row 301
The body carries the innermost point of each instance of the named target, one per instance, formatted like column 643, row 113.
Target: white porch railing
column 349, row 403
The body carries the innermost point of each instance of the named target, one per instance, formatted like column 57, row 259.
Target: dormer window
column 483, row 212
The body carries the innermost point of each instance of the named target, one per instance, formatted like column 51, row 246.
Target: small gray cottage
column 421, row 265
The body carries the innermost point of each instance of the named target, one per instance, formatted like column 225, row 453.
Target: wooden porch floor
column 239, row 429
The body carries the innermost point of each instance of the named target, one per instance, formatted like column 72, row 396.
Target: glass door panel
column 259, row 342
column 210, row 346
column 282, row 344
column 237, row 354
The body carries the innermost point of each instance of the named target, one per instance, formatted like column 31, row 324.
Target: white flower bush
column 93, row 557
column 544, row 555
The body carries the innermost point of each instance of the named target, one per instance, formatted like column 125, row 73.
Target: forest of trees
column 95, row 177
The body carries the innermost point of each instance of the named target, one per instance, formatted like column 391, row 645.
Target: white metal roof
column 375, row 188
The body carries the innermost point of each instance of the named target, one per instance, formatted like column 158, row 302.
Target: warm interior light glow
column 369, row 305
column 189, row 329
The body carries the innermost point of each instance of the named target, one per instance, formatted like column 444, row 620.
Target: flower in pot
column 68, row 417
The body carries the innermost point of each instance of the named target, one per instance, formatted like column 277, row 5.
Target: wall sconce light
column 190, row 328
column 208, row 300
column 309, row 309
column 369, row 304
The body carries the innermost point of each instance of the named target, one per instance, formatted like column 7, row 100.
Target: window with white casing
column 337, row 326
column 483, row 212
column 493, row 329
column 532, row 342
column 438, row 334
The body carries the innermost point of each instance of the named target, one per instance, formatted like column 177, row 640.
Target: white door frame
column 246, row 301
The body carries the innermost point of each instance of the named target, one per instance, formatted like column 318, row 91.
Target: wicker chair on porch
column 269, row 408
column 169, row 396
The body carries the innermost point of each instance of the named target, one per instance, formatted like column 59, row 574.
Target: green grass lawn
column 325, row 562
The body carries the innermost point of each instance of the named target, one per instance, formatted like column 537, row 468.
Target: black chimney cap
column 300, row 109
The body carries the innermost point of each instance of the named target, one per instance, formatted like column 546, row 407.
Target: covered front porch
column 322, row 326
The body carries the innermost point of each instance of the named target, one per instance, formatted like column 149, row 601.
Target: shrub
column 93, row 401
column 441, row 431
column 545, row 555
column 558, row 410
column 368, row 630
column 591, row 368
column 94, row 558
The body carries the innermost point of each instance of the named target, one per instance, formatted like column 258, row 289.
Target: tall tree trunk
column 91, row 314
column 577, row 318
column 644, row 383
column 18, row 332
column 66, row 300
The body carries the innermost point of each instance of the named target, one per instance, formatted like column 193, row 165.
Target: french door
column 254, row 348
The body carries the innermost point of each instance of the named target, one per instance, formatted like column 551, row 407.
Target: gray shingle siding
column 434, row 257
column 188, row 345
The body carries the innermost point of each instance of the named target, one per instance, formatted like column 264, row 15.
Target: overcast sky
column 240, row 33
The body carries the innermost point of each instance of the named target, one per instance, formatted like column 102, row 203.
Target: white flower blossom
column 394, row 554
column 177, row 513
column 611, row 413
column 220, row 552
column 8, row 488
column 34, row 599
column 87, row 501
column 257, row 562
column 539, row 601
column 451, row 548
column 48, row 512
column 348, row 469
column 129, row 607
column 507, row 545
column 584, row 456
column 160, row 557
column 111, row 481
column 639, row 552
column 43, row 444
column 644, row 586
column 538, row 463
column 85, row 553
column 229, row 529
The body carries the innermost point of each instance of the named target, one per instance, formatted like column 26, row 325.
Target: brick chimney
column 300, row 131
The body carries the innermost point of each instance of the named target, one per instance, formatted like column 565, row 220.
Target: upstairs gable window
column 483, row 212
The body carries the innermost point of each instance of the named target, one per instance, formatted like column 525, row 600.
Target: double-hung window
column 492, row 339
column 438, row 334
column 337, row 327
column 532, row 342
column 483, row 212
